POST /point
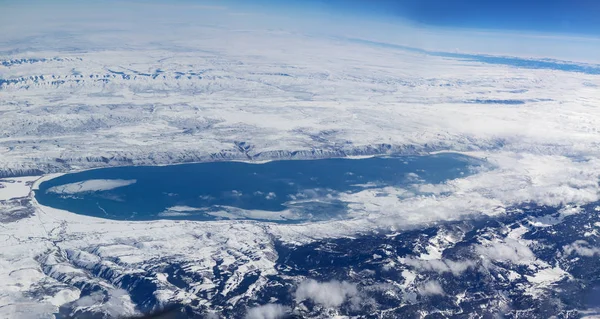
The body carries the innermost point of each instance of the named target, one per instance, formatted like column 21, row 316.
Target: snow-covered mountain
column 94, row 109
column 534, row 261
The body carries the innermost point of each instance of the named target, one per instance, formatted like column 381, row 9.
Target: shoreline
column 45, row 209
column 50, row 176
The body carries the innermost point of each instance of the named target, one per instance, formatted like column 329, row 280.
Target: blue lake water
column 549, row 64
column 281, row 191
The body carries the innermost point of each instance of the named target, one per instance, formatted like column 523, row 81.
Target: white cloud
column 431, row 288
column 92, row 185
column 510, row 250
column 581, row 248
column 544, row 179
column 413, row 177
column 515, row 178
column 212, row 315
column 435, row 188
column 269, row 311
column 440, row 266
column 271, row 195
column 117, row 305
column 183, row 209
column 234, row 193
column 329, row 294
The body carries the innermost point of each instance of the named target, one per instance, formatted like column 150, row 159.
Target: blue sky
column 558, row 29
column 546, row 16
column 553, row 16
column 569, row 16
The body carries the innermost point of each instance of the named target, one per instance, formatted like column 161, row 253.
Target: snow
column 409, row 278
column 236, row 213
column 40, row 179
column 547, row 276
column 182, row 209
column 132, row 243
column 513, row 275
column 15, row 187
column 551, row 220
column 177, row 211
column 64, row 296
column 433, row 253
column 93, row 185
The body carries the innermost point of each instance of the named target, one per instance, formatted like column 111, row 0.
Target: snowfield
column 90, row 186
column 158, row 107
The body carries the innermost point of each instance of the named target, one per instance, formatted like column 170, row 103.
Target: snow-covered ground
column 16, row 187
column 43, row 248
column 126, row 107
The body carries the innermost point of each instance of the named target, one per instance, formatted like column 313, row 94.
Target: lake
column 279, row 191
